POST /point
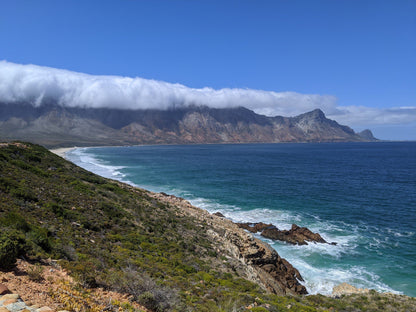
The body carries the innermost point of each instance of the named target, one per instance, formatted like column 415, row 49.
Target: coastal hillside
column 156, row 251
column 50, row 124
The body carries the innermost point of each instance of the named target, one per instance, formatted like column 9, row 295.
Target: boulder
column 46, row 309
column 4, row 290
column 10, row 296
column 296, row 235
column 254, row 227
column 218, row 214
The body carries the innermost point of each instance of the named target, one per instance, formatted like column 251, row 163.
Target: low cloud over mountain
column 35, row 84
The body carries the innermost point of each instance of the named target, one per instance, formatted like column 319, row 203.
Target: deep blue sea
column 360, row 195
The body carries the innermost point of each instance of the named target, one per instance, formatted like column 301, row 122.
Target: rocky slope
column 46, row 287
column 54, row 125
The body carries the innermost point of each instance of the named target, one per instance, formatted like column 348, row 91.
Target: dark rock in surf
column 254, row 227
column 218, row 214
column 296, row 235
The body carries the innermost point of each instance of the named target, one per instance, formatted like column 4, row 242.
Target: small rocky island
column 296, row 235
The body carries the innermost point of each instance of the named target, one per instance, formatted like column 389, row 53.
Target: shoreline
column 61, row 152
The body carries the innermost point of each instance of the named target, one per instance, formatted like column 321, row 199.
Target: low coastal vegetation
column 110, row 235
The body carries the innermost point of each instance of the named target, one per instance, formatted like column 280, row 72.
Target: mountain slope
column 54, row 125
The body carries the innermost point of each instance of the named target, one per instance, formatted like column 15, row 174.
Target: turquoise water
column 360, row 195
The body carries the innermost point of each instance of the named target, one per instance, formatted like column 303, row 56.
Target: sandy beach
column 62, row 151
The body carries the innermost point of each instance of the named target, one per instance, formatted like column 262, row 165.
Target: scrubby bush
column 16, row 221
column 9, row 250
column 84, row 271
column 12, row 244
column 35, row 273
column 111, row 210
column 39, row 236
column 145, row 290
column 259, row 309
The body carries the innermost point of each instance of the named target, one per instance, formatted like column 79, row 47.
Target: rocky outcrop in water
column 296, row 235
column 255, row 227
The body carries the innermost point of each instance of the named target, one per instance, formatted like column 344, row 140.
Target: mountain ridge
column 53, row 125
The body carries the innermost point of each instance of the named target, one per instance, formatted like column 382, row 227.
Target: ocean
column 360, row 195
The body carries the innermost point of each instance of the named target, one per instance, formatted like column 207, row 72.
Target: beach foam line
column 62, row 151
column 80, row 157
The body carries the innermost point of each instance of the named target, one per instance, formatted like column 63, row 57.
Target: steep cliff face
column 56, row 125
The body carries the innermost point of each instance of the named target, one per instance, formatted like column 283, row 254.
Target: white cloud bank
column 35, row 83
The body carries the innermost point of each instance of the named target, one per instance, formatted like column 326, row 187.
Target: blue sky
column 361, row 53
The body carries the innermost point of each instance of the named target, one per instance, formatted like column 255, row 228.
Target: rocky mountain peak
column 315, row 115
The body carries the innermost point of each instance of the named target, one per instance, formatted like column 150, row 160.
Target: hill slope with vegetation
column 164, row 253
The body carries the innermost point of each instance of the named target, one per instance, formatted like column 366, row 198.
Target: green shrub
column 26, row 166
column 16, row 221
column 145, row 290
column 24, row 194
column 57, row 209
column 81, row 187
column 9, row 250
column 85, row 272
column 113, row 188
column 39, row 237
column 35, row 273
column 111, row 210
column 259, row 309
column 148, row 300
column 6, row 184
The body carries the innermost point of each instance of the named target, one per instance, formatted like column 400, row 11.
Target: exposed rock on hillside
column 347, row 289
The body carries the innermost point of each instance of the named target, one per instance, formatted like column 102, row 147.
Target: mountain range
column 53, row 125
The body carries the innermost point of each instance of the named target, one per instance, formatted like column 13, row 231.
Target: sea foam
column 81, row 157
